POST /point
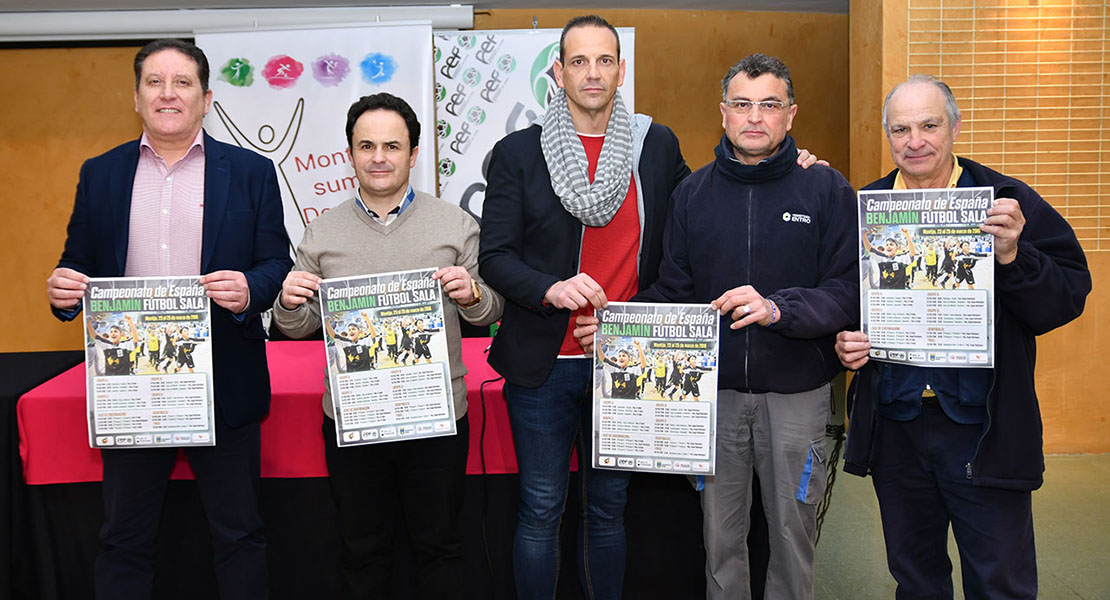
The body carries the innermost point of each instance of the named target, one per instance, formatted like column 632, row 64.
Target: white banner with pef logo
column 488, row 85
column 284, row 93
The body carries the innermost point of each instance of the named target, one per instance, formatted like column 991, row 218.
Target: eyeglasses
column 745, row 106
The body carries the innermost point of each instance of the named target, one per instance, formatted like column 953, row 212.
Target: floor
column 1071, row 512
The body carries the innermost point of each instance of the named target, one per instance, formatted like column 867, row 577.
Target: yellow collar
column 957, row 170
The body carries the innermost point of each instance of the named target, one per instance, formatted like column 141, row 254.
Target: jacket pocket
column 974, row 386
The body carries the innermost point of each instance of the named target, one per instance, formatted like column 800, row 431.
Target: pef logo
column 795, row 218
column 462, row 139
column 451, row 64
column 543, row 74
column 487, row 50
column 458, row 101
column 493, row 87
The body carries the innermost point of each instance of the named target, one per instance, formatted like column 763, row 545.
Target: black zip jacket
column 1045, row 287
column 788, row 232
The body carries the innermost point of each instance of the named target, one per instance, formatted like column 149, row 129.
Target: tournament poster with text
column 927, row 276
column 655, row 388
column 148, row 359
column 387, row 357
column 489, row 84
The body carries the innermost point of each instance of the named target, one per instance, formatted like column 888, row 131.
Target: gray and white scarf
column 593, row 204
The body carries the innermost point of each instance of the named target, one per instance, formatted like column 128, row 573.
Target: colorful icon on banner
column 543, row 74
column 238, row 72
column 441, row 92
column 506, row 63
column 282, row 71
column 446, row 167
column 330, row 69
column 443, row 129
column 467, row 41
column 378, row 68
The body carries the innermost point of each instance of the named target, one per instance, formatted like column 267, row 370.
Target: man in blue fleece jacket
column 963, row 447
column 772, row 247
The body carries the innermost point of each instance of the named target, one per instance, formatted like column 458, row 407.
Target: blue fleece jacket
column 1045, row 287
column 788, row 232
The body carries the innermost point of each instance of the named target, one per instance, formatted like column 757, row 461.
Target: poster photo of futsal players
column 927, row 276
column 387, row 357
column 148, row 360
column 655, row 387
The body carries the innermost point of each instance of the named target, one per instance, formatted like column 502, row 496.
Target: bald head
column 921, row 131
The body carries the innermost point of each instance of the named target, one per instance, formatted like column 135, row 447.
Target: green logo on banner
column 446, row 167
column 543, row 75
column 441, row 92
column 471, row 76
column 438, row 54
column 506, row 63
column 443, row 128
column 476, row 115
column 467, row 41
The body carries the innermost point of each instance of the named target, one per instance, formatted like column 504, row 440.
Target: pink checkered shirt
column 167, row 213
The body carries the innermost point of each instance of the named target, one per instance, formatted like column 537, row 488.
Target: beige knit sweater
column 430, row 233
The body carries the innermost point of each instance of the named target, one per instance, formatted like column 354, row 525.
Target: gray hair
column 755, row 65
column 951, row 110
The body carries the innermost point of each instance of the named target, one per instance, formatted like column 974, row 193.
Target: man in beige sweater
column 390, row 227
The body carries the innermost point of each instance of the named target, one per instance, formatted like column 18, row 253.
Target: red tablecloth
column 53, row 430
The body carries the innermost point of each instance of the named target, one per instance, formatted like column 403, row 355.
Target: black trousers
column 920, row 478
column 418, row 483
column 135, row 490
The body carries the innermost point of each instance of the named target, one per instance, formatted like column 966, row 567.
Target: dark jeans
column 920, row 478
column 546, row 421
column 419, row 483
column 135, row 489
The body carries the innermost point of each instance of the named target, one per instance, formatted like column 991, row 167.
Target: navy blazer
column 244, row 230
column 529, row 242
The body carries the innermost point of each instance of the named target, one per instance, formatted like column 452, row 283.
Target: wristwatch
column 476, row 291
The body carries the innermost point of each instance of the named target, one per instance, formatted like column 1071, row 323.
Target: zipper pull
column 969, row 470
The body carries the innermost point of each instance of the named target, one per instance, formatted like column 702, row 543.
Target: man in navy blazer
column 177, row 202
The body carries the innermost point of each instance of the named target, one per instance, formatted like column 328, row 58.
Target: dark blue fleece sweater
column 788, row 232
column 1044, row 288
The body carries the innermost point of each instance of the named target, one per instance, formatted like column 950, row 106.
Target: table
column 54, row 430
column 62, row 508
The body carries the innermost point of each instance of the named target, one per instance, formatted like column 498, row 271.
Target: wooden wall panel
column 681, row 57
column 1003, row 98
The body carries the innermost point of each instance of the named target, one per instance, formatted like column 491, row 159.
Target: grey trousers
column 781, row 437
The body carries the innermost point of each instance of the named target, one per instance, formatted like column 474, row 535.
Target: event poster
column 489, row 84
column 284, row 93
column 148, row 358
column 387, row 357
column 927, row 276
column 655, row 388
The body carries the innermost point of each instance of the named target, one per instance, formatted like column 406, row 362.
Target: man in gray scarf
column 573, row 217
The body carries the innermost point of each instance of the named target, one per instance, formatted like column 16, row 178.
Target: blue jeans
column 546, row 421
